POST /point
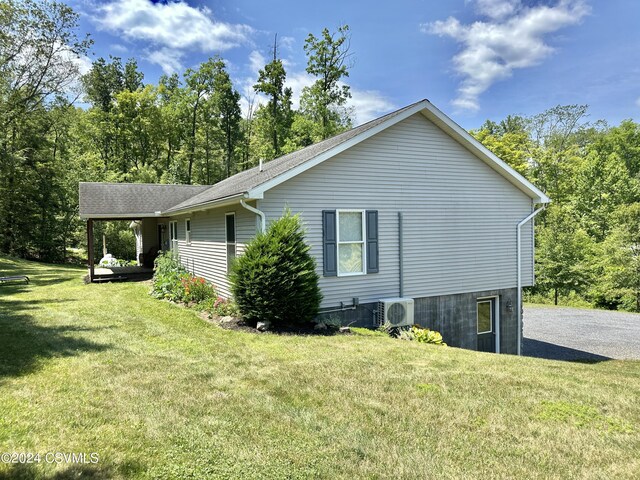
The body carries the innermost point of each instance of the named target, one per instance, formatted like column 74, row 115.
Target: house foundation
column 454, row 316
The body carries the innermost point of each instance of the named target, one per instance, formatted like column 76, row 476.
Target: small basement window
column 351, row 243
column 187, row 229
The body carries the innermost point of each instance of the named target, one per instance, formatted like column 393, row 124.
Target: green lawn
column 159, row 393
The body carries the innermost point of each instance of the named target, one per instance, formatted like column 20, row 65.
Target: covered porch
column 150, row 240
column 141, row 204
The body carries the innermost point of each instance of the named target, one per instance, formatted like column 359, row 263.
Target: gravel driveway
column 564, row 333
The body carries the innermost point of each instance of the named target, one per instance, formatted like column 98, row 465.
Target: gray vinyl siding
column 460, row 216
column 206, row 255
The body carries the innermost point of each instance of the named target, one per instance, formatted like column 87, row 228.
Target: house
column 408, row 209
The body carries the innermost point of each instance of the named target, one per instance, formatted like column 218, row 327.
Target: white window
column 351, row 244
column 230, row 236
column 187, row 230
column 173, row 235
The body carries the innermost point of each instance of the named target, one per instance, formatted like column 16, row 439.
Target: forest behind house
column 59, row 128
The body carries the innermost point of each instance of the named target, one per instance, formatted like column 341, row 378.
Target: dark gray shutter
column 329, row 243
column 372, row 241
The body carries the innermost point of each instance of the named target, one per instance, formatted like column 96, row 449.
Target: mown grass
column 159, row 393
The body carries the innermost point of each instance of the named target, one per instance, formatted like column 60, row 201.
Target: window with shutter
column 350, row 242
column 329, row 245
column 372, row 241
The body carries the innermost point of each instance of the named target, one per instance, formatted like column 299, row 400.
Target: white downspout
column 519, row 267
column 263, row 219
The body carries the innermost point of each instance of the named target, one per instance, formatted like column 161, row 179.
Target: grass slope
column 159, row 393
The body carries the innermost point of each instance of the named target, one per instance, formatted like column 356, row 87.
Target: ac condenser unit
column 396, row 311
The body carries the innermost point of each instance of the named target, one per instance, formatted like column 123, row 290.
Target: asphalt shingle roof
column 145, row 199
column 252, row 178
column 131, row 199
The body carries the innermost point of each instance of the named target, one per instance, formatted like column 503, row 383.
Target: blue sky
column 474, row 59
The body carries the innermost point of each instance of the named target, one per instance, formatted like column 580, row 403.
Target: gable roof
column 131, row 200
column 139, row 200
column 252, row 183
column 248, row 180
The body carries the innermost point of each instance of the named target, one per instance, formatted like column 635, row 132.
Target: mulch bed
column 238, row 324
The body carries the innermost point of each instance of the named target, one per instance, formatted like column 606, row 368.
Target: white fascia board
column 467, row 140
column 222, row 202
column 258, row 192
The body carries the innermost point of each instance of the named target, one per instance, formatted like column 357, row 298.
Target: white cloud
column 297, row 81
column 172, row 28
column 168, row 59
column 497, row 9
column 116, row 47
column 368, row 104
column 512, row 37
column 256, row 62
column 638, row 101
column 286, row 42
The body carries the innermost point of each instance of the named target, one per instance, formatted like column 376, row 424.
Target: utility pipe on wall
column 263, row 220
column 519, row 267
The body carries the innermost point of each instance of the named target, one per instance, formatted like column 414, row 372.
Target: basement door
column 486, row 309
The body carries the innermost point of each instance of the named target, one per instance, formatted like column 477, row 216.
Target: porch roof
column 132, row 200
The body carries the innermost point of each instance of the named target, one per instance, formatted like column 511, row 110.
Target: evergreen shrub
column 275, row 280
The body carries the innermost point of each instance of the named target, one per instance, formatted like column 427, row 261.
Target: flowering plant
column 196, row 289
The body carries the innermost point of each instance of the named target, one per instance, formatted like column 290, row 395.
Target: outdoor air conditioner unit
column 396, row 311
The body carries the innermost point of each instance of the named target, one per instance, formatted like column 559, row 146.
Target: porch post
column 90, row 248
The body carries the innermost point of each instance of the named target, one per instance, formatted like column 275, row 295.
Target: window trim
column 173, row 234
column 363, row 242
column 491, row 302
column 187, row 231
column 226, row 239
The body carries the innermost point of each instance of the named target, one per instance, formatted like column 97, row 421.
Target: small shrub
column 275, row 280
column 332, row 323
column 389, row 329
column 416, row 332
column 196, row 289
column 424, row 335
column 167, row 277
column 406, row 334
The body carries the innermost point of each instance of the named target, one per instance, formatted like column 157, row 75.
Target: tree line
column 588, row 238
column 58, row 127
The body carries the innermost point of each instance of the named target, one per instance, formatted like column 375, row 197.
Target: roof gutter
column 221, row 202
column 118, row 216
column 522, row 222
